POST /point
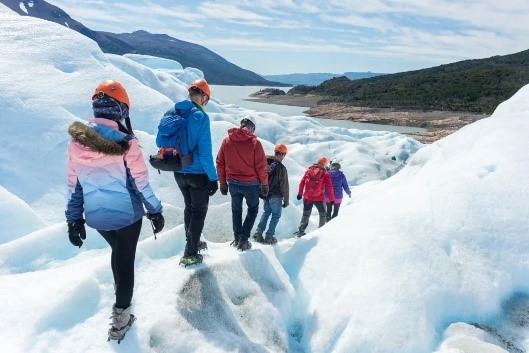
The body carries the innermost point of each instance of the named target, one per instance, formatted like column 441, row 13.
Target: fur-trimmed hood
column 88, row 137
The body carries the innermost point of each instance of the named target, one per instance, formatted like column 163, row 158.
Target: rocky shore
column 437, row 124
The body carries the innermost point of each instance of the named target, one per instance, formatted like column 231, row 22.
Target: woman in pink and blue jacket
column 108, row 187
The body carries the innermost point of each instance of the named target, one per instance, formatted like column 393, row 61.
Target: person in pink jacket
column 108, row 188
column 314, row 182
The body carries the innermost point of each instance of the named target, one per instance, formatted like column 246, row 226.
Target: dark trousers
column 195, row 190
column 307, row 210
column 123, row 243
column 241, row 230
column 332, row 210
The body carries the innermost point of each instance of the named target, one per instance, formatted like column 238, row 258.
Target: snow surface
column 429, row 254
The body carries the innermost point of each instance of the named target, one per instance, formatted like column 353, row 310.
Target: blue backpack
column 171, row 139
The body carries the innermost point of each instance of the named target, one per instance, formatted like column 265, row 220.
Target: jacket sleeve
column 205, row 148
column 261, row 164
column 328, row 186
column 345, row 185
column 221, row 164
column 75, row 201
column 302, row 184
column 140, row 178
column 283, row 184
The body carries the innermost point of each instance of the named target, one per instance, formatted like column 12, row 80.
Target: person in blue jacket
column 198, row 180
column 339, row 184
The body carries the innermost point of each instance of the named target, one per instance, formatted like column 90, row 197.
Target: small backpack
column 272, row 175
column 314, row 182
column 173, row 152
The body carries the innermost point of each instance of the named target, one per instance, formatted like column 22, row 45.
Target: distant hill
column 313, row 79
column 472, row 86
column 216, row 69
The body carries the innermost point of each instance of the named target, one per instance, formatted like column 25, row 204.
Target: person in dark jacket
column 277, row 198
column 339, row 184
column 108, row 182
column 242, row 170
column 198, row 180
column 311, row 188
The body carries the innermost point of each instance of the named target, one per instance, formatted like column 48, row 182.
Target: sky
column 429, row 254
column 273, row 37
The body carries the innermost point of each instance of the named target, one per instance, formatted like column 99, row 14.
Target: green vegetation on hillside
column 473, row 86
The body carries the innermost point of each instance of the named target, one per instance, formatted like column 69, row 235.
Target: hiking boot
column 299, row 233
column 122, row 320
column 258, row 237
column 234, row 243
column 202, row 245
column 244, row 245
column 270, row 241
column 191, row 260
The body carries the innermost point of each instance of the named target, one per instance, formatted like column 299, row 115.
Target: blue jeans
column 273, row 207
column 238, row 192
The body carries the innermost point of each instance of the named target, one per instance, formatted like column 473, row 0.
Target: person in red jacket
column 311, row 189
column 242, row 170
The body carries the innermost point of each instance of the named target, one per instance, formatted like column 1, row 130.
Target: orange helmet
column 113, row 89
column 323, row 161
column 280, row 148
column 202, row 85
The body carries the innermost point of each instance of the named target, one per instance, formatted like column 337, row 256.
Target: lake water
column 239, row 95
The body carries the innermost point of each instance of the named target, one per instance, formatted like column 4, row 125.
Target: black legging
column 330, row 213
column 123, row 243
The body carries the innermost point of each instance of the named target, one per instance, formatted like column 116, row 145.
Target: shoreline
column 437, row 124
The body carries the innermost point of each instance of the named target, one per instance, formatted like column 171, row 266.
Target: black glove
column 224, row 189
column 264, row 190
column 157, row 221
column 213, row 187
column 284, row 205
column 76, row 232
column 299, row 197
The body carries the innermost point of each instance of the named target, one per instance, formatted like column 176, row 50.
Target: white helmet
column 335, row 163
column 248, row 118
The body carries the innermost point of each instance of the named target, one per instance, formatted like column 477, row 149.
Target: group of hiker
column 109, row 189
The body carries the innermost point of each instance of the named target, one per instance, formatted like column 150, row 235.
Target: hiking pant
column 332, row 210
column 238, row 192
column 307, row 210
column 195, row 190
column 272, row 207
column 123, row 244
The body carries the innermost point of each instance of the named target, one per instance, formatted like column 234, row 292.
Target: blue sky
column 288, row 36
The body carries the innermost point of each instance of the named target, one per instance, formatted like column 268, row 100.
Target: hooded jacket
column 198, row 140
column 325, row 184
column 108, row 180
column 339, row 183
column 241, row 159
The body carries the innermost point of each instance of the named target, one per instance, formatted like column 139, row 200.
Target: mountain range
column 477, row 85
column 216, row 69
column 312, row 79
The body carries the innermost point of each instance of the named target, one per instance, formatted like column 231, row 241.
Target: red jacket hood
column 239, row 134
